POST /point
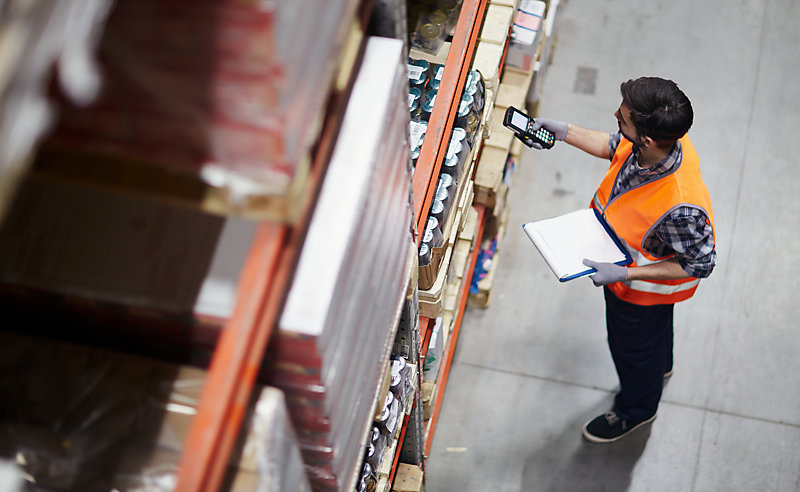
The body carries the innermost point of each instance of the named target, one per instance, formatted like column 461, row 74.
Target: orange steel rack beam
column 437, row 137
column 448, row 358
column 235, row 363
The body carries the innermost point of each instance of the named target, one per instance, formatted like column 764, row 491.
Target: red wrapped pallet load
column 212, row 88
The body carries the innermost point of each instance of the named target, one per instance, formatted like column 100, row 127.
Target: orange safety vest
column 634, row 213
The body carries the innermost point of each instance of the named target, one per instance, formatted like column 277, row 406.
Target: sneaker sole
column 602, row 440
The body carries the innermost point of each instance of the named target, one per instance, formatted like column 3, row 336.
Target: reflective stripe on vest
column 654, row 288
column 633, row 213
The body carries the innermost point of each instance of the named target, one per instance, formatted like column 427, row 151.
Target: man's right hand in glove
column 559, row 129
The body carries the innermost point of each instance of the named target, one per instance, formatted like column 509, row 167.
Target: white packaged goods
column 349, row 285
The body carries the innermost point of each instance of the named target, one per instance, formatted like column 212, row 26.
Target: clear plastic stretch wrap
column 336, row 329
column 270, row 458
column 232, row 91
column 35, row 36
column 75, row 418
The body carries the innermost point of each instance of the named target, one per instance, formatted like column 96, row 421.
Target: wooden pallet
column 409, row 478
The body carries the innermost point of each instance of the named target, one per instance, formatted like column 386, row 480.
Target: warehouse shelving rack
column 444, row 111
column 432, row 154
column 268, row 268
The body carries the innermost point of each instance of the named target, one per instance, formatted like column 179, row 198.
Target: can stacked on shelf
column 424, row 79
column 430, row 22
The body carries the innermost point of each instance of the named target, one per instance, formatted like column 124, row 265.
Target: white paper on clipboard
column 565, row 241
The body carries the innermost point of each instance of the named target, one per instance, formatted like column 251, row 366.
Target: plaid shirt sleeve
column 613, row 143
column 687, row 233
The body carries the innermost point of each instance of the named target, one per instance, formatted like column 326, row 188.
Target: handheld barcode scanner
column 522, row 125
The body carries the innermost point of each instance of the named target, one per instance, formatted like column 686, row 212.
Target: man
column 654, row 199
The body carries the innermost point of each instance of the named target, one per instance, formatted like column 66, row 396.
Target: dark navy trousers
column 640, row 339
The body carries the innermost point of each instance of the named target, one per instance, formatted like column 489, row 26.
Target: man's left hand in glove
column 607, row 273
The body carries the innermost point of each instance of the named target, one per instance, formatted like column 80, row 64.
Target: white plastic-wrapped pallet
column 337, row 326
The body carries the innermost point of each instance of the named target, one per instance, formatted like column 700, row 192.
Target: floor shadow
column 568, row 462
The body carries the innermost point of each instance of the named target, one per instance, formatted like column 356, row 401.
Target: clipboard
column 564, row 241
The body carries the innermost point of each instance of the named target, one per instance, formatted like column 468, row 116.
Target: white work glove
column 607, row 273
column 559, row 128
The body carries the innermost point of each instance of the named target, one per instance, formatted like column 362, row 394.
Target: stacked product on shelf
column 82, row 418
column 424, row 79
column 230, row 92
column 430, row 22
column 383, row 436
column 151, row 265
column 480, row 289
column 526, row 31
column 525, row 64
column 337, row 328
column 542, row 65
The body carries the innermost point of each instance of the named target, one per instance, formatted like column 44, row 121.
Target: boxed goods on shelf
column 495, row 24
column 414, row 439
column 527, row 29
column 344, row 302
column 268, row 455
column 433, row 356
column 482, row 283
column 541, row 65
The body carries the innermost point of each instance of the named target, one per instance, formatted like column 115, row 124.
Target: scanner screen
column 520, row 121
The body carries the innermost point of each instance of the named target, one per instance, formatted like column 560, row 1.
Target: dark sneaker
column 609, row 427
column 668, row 374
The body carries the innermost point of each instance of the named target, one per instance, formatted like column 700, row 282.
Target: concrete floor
column 531, row 369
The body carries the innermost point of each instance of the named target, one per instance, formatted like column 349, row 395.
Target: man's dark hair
column 659, row 109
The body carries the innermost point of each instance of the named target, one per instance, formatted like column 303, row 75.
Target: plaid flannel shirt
column 685, row 231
